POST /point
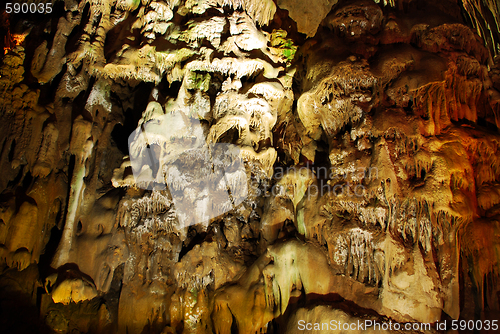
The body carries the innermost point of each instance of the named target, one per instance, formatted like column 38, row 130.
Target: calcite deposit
column 249, row 166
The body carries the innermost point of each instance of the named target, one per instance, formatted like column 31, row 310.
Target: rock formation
column 244, row 166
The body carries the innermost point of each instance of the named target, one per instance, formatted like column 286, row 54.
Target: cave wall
column 237, row 166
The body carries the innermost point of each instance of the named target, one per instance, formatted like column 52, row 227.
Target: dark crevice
column 168, row 90
column 120, row 135
column 112, row 297
column 131, row 117
column 51, row 88
column 231, row 136
column 409, row 107
column 79, row 103
column 17, row 179
column 71, row 170
column 50, row 250
column 196, row 239
column 12, row 150
column 79, row 228
column 234, row 325
column 73, row 40
column 27, row 181
column 19, row 313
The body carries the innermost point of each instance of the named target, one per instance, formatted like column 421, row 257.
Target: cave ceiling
column 249, row 166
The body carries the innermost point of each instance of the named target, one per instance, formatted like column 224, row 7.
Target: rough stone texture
column 308, row 15
column 239, row 166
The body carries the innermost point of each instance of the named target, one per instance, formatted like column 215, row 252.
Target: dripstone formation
column 240, row 166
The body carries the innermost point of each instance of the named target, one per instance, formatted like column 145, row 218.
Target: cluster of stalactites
column 485, row 16
column 150, row 212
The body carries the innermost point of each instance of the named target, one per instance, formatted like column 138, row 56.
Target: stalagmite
column 82, row 149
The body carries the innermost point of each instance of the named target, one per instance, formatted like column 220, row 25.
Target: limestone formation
column 244, row 166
